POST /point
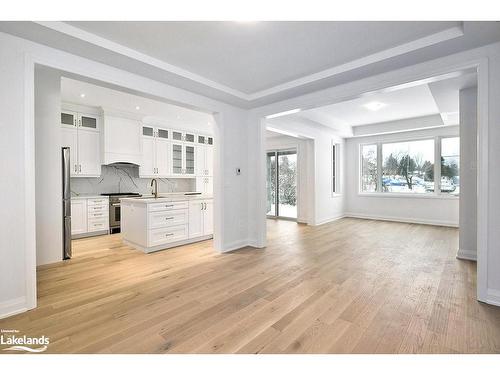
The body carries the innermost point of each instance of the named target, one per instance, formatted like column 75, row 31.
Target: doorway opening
column 282, row 184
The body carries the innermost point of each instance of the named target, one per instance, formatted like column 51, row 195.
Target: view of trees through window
column 409, row 167
column 450, row 165
column 369, row 174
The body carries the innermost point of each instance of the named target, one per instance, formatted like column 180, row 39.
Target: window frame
column 437, row 169
column 335, row 169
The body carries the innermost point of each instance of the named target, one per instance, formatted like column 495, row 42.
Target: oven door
column 114, row 215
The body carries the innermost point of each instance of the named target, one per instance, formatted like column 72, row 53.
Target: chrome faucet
column 155, row 190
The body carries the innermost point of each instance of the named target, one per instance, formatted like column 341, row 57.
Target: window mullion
column 437, row 165
column 379, row 167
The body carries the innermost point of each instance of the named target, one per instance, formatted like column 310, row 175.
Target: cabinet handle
column 76, row 168
column 169, row 234
column 169, row 218
column 201, row 206
column 169, row 205
column 79, row 167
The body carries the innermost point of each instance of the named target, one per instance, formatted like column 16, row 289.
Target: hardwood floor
column 351, row 286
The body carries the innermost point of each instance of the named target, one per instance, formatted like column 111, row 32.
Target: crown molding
column 432, row 39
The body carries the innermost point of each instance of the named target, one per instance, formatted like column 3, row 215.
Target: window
column 408, row 167
column 369, row 173
column 450, row 165
column 334, row 168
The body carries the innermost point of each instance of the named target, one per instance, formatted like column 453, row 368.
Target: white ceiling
column 254, row 56
column 149, row 110
column 437, row 97
column 257, row 63
column 407, row 103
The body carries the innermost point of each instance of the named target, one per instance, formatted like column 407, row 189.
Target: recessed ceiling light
column 374, row 106
column 82, row 95
column 137, row 107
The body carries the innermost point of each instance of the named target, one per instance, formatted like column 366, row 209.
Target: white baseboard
column 325, row 221
column 403, row 219
column 13, row 307
column 467, row 254
column 493, row 297
column 235, row 246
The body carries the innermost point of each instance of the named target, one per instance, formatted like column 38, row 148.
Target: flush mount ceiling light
column 82, row 95
column 290, row 112
column 137, row 107
column 374, row 106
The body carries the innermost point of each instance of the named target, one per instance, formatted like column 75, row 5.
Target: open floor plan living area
column 265, row 187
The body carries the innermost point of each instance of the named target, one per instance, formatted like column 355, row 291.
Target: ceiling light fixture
column 285, row 113
column 82, row 95
column 374, row 106
column 137, row 107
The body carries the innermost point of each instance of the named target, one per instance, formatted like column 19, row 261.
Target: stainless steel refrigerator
column 66, row 201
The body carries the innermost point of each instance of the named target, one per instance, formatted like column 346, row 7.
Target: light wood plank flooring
column 351, row 286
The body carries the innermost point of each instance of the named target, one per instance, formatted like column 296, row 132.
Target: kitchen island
column 151, row 224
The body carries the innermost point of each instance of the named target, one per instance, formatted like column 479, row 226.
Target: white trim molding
column 326, row 221
column 466, row 254
column 13, row 307
column 493, row 297
column 441, row 223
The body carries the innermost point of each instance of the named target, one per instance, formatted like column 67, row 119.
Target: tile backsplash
column 125, row 179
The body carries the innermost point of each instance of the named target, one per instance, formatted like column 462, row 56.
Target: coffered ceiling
column 249, row 64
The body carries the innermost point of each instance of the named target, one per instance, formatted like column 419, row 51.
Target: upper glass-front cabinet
column 184, row 137
column 148, row 131
column 74, row 119
column 69, row 118
column 162, row 133
column 87, row 121
column 205, row 140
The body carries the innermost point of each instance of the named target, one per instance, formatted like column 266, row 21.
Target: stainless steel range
column 114, row 209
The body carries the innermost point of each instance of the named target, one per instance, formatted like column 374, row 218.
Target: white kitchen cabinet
column 156, row 159
column 204, row 160
column 84, row 147
column 78, row 216
column 208, row 218
column 89, row 216
column 201, row 218
column 205, row 185
column 183, row 159
column 69, row 119
column 195, row 218
column 148, row 165
column 181, row 136
column 122, row 140
column 89, row 153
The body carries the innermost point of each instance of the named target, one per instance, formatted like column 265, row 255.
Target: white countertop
column 166, row 197
column 89, row 196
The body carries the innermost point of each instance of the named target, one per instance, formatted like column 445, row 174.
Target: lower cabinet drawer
column 98, row 208
column 162, row 219
column 170, row 234
column 178, row 205
column 98, row 214
column 97, row 224
column 97, row 202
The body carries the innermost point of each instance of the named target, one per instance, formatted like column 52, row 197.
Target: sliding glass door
column 282, row 184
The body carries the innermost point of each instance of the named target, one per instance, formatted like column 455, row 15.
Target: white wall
column 418, row 209
column 17, row 217
column 48, row 166
column 13, row 241
column 468, row 176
